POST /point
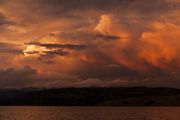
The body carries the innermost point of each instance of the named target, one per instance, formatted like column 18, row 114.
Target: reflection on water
column 89, row 113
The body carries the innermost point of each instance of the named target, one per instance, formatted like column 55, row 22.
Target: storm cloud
column 78, row 43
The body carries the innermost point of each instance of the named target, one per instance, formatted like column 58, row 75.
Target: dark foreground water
column 89, row 113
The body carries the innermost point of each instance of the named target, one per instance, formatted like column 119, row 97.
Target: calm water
column 89, row 113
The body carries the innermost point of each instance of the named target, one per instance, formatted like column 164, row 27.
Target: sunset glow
column 71, row 44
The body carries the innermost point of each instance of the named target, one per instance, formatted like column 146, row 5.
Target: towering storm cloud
column 81, row 43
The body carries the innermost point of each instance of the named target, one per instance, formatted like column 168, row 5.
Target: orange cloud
column 117, row 49
column 161, row 45
column 158, row 46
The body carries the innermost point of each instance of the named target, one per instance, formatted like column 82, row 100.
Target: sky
column 89, row 43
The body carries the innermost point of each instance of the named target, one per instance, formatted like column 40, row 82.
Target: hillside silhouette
column 132, row 96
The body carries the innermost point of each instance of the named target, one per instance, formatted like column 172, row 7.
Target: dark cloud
column 75, row 10
column 60, row 46
column 61, row 7
column 12, row 77
column 105, row 74
column 55, row 53
column 107, row 37
column 85, row 36
column 54, row 50
column 29, row 77
column 33, row 52
column 47, row 56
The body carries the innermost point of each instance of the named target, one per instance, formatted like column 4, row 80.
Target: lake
column 89, row 113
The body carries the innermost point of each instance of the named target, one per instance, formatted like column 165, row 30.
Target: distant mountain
column 132, row 96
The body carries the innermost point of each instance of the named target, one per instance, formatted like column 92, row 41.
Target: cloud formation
column 89, row 43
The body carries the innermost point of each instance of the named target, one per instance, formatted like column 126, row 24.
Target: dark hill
column 134, row 96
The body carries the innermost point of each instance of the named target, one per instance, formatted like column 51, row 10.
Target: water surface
column 89, row 113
